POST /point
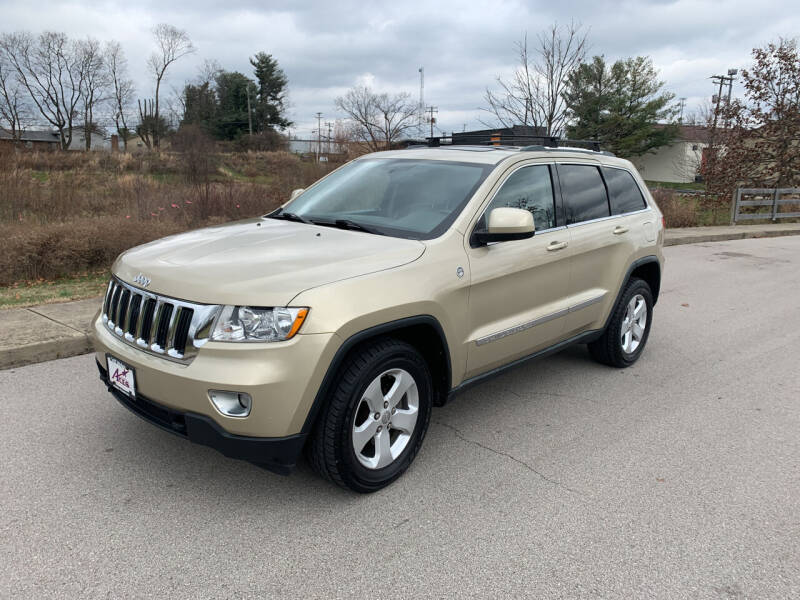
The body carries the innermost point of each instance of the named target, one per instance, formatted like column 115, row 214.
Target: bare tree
column 173, row 43
column 123, row 89
column 378, row 119
column 14, row 110
column 47, row 66
column 95, row 80
column 534, row 95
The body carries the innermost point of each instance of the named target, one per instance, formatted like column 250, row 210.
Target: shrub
column 678, row 211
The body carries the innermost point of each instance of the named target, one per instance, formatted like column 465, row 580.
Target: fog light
column 231, row 404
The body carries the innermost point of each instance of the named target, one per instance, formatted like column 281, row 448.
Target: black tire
column 608, row 349
column 330, row 449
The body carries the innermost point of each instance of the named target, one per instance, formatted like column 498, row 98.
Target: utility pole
column 717, row 100
column 731, row 74
column 683, row 104
column 249, row 112
column 330, row 126
column 723, row 80
column 421, row 108
column 431, row 110
column 319, row 135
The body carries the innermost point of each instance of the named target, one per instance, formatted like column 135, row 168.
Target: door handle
column 556, row 246
column 619, row 229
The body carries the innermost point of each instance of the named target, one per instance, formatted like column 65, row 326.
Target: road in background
column 678, row 477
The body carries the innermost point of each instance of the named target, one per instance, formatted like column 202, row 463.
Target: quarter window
column 584, row 193
column 623, row 192
column 530, row 188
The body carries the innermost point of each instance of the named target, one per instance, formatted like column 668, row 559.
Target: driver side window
column 529, row 188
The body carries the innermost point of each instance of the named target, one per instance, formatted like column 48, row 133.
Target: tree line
column 228, row 104
column 73, row 85
column 555, row 89
column 63, row 82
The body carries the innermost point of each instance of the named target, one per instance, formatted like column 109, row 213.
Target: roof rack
column 505, row 141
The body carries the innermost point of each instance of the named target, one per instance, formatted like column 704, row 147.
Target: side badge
column 460, row 272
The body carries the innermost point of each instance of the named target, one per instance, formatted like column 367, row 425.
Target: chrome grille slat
column 156, row 324
column 112, row 311
column 122, row 311
column 134, row 309
column 162, row 327
column 146, row 322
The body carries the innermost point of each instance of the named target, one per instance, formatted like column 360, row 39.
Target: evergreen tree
column 200, row 106
column 621, row 105
column 232, row 91
column 269, row 109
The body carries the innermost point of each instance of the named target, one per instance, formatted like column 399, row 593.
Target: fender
column 361, row 336
column 633, row 266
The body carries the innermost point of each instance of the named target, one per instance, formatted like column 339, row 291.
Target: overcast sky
column 327, row 47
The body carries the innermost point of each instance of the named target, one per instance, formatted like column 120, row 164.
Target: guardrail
column 772, row 197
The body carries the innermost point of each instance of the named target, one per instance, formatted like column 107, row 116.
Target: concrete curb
column 53, row 331
column 44, row 351
column 677, row 237
column 46, row 332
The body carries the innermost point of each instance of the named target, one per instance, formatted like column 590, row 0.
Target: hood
column 260, row 262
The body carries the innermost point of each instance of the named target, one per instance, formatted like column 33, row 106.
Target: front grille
column 160, row 325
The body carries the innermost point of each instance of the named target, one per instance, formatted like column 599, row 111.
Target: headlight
column 251, row 324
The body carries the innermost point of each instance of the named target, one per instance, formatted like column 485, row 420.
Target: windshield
column 415, row 199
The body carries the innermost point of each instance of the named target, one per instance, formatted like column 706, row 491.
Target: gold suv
column 337, row 322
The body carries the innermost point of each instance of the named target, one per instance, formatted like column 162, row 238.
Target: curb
column 680, row 239
column 69, row 340
column 45, row 351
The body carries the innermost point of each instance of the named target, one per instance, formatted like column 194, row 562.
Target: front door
column 518, row 295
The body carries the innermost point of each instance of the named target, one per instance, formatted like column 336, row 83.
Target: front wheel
column 624, row 339
column 376, row 417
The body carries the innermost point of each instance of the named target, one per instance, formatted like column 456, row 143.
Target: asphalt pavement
column 676, row 478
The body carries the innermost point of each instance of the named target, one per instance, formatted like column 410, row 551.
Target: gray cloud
column 326, row 47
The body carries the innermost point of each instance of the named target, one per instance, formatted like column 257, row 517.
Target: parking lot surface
column 678, row 477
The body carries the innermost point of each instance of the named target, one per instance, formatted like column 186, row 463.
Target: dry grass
column 64, row 213
column 678, row 211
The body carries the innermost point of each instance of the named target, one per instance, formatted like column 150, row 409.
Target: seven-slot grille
column 157, row 324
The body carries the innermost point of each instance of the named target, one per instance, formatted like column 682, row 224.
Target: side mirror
column 296, row 193
column 506, row 224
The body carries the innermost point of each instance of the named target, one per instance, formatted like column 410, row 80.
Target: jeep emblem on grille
column 142, row 280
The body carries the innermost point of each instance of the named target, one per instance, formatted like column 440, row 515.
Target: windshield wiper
column 348, row 224
column 289, row 216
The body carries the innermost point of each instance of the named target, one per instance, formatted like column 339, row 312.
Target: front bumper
column 276, row 454
column 282, row 379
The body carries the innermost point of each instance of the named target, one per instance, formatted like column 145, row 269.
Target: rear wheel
column 376, row 417
column 628, row 328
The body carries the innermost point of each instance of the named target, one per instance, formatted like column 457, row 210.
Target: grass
column 67, row 213
column 676, row 186
column 31, row 293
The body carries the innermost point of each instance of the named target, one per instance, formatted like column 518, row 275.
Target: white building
column 678, row 162
column 99, row 142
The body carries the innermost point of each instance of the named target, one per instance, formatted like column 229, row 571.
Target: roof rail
column 506, row 141
column 565, row 147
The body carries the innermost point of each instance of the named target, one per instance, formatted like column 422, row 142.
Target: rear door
column 518, row 295
column 601, row 240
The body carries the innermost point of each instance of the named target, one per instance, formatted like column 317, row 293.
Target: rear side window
column 584, row 193
column 624, row 194
column 529, row 188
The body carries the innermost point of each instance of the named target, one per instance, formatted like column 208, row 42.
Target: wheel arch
column 423, row 332
column 647, row 268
